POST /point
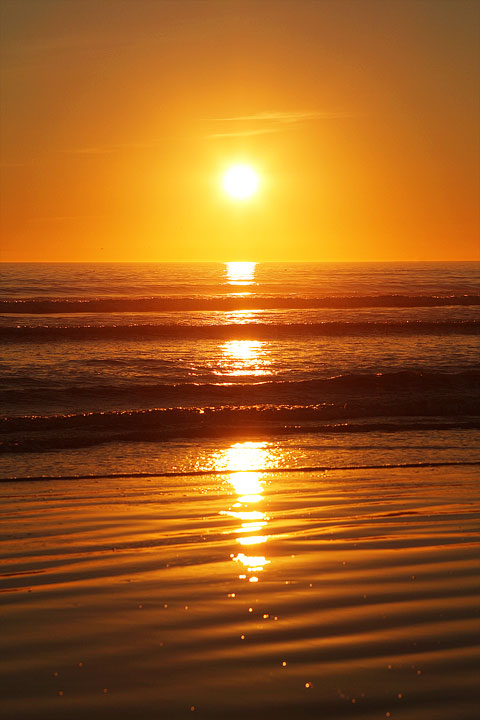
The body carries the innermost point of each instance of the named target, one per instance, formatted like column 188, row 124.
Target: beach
column 239, row 489
column 336, row 594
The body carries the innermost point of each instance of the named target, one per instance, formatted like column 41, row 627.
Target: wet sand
column 341, row 594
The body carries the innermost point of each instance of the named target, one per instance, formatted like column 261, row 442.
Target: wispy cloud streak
column 245, row 133
column 284, row 117
column 271, row 121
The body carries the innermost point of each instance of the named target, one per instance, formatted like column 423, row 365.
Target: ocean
column 114, row 368
column 240, row 489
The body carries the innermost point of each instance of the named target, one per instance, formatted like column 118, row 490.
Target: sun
column 240, row 181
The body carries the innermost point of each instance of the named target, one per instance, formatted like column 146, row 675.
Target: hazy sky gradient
column 119, row 116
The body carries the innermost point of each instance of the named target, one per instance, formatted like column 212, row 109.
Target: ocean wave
column 45, row 306
column 36, row 433
column 277, row 471
column 249, row 331
column 340, row 387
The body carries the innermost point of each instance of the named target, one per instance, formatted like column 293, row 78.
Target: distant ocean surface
column 121, row 368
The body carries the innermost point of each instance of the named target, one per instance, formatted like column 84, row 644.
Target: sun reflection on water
column 243, row 460
column 240, row 273
column 244, row 515
column 242, row 316
column 242, row 349
column 244, row 357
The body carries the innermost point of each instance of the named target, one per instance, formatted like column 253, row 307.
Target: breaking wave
column 250, row 331
column 45, row 306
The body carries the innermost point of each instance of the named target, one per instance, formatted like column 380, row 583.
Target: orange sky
column 361, row 118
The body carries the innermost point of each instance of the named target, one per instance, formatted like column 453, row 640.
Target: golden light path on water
column 241, row 459
column 244, row 357
column 239, row 358
column 240, row 273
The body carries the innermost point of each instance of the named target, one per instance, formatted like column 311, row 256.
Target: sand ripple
column 321, row 595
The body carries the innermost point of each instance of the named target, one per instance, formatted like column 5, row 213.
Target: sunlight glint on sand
column 368, row 592
column 249, row 486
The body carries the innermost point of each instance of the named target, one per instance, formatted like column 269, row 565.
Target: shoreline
column 200, row 473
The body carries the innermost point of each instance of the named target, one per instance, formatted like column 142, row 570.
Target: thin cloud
column 245, row 133
column 272, row 121
column 285, row 117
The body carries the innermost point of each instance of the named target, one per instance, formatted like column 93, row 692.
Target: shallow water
column 336, row 446
column 337, row 594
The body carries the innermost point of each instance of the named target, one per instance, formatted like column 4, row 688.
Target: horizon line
column 223, row 262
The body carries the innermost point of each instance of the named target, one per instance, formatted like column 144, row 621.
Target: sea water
column 120, row 368
column 266, row 491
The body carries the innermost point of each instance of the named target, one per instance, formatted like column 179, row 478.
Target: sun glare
column 240, row 181
column 240, row 273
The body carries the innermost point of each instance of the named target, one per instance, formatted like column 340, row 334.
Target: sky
column 360, row 117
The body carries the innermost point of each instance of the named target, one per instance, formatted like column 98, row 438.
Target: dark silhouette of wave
column 337, row 389
column 247, row 331
column 45, row 306
column 372, row 412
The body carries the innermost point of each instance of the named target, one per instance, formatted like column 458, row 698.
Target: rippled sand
column 275, row 595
